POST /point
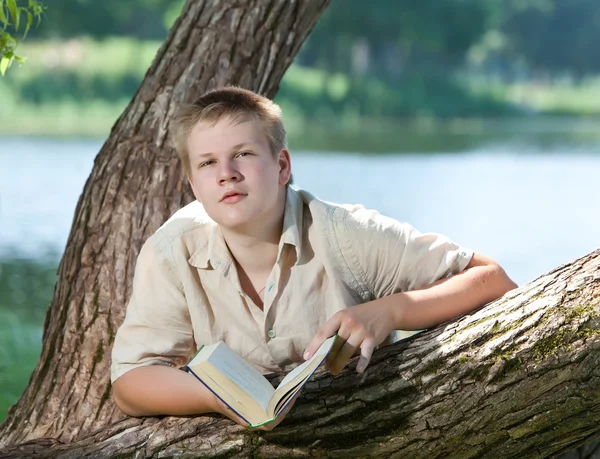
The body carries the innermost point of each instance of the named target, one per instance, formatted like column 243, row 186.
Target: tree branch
column 518, row 378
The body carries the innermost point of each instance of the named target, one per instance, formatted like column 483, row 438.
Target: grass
column 558, row 98
column 20, row 345
column 72, row 88
column 26, row 288
column 80, row 87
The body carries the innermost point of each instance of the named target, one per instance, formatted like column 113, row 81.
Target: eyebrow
column 235, row 147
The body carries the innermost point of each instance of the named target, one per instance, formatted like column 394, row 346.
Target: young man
column 273, row 271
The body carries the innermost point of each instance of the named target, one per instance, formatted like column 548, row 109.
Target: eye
column 207, row 163
column 241, row 154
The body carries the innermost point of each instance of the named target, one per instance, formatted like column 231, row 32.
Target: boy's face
column 234, row 174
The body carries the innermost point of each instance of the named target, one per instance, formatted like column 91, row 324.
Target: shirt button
column 271, row 333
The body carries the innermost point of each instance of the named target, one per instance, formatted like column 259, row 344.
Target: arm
column 154, row 340
column 367, row 325
column 482, row 281
column 158, row 390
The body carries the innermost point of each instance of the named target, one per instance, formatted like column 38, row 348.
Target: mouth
column 232, row 196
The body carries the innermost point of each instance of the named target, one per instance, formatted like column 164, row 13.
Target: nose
column 228, row 173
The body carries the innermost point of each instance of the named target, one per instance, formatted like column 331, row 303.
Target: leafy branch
column 18, row 20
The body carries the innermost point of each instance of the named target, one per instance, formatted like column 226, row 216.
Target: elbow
column 493, row 276
column 502, row 282
column 122, row 403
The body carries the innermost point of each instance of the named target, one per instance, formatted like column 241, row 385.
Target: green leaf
column 3, row 18
column 7, row 41
column 14, row 11
column 18, row 18
column 4, row 64
column 10, row 15
column 36, row 8
column 29, row 21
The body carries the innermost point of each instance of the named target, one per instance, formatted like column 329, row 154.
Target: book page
column 321, row 353
column 295, row 379
column 243, row 374
column 282, row 403
column 296, row 371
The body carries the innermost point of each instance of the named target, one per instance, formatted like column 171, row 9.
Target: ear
column 285, row 166
column 196, row 195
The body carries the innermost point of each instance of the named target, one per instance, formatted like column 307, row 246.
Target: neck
column 254, row 247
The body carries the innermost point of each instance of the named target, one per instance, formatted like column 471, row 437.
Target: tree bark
column 590, row 450
column 519, row 378
column 136, row 183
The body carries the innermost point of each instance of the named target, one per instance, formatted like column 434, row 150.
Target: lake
column 528, row 205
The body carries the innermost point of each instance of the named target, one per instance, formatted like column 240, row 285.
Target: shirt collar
column 215, row 249
column 213, row 252
column 292, row 223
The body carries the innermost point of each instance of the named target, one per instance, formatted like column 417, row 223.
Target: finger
column 234, row 417
column 366, row 351
column 289, row 407
column 339, row 361
column 282, row 415
column 292, row 401
column 272, row 425
column 334, row 351
column 328, row 329
column 228, row 412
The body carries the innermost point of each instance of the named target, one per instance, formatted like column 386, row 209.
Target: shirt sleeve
column 157, row 329
column 388, row 256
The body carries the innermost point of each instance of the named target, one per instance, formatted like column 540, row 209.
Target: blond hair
column 232, row 102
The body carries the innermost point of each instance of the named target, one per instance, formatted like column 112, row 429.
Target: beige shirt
column 186, row 290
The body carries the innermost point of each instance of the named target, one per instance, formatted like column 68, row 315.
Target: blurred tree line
column 383, row 37
column 365, row 61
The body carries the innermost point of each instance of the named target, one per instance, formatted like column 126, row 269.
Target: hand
column 364, row 326
column 223, row 408
column 281, row 417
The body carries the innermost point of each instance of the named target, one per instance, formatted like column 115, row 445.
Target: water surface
column 531, row 207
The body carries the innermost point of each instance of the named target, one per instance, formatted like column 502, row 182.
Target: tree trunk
column 519, row 378
column 135, row 185
column 590, row 450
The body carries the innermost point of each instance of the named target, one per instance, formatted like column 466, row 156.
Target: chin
column 234, row 221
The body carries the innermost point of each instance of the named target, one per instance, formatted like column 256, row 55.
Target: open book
column 243, row 388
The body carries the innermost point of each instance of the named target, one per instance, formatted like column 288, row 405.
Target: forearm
column 447, row 298
column 156, row 390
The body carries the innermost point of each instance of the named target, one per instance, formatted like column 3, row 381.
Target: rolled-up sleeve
column 389, row 256
column 157, row 329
